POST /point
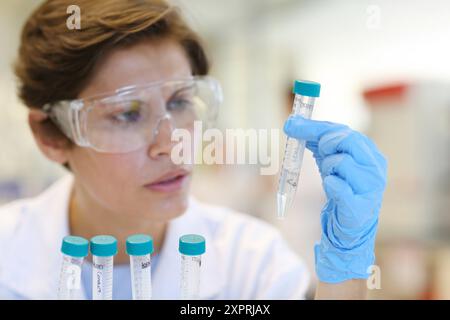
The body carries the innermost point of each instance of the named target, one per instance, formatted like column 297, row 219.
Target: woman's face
column 144, row 183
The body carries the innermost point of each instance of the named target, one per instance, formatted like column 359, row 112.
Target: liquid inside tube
column 293, row 158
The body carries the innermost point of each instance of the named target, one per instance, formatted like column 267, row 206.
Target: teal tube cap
column 103, row 246
column 192, row 245
column 306, row 88
column 73, row 246
column 139, row 245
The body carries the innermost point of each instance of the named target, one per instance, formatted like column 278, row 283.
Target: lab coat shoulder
column 13, row 217
column 258, row 263
column 10, row 219
column 33, row 211
column 28, row 229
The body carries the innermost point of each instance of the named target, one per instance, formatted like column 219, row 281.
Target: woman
column 103, row 101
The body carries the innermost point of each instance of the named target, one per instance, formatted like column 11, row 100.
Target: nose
column 162, row 143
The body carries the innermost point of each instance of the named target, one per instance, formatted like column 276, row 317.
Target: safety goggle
column 129, row 118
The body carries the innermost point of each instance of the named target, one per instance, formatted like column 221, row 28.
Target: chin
column 170, row 208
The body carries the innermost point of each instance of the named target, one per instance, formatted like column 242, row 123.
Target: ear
column 49, row 139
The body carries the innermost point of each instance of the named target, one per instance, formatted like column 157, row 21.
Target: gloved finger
column 362, row 179
column 352, row 211
column 348, row 141
column 314, row 148
column 310, row 130
column 336, row 188
column 331, row 138
column 380, row 157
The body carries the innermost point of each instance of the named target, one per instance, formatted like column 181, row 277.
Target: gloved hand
column 354, row 178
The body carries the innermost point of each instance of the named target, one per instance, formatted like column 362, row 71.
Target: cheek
column 109, row 168
column 107, row 177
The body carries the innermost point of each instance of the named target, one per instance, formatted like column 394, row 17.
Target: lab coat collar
column 34, row 258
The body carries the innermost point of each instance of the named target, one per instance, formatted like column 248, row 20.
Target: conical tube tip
column 282, row 205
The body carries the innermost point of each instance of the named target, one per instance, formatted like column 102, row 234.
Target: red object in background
column 391, row 92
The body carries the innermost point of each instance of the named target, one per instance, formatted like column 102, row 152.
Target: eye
column 132, row 113
column 179, row 104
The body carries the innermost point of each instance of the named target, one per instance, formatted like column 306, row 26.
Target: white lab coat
column 245, row 257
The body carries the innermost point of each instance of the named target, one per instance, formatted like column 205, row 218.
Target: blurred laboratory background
column 384, row 67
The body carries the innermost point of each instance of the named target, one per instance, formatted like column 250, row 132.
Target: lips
column 169, row 182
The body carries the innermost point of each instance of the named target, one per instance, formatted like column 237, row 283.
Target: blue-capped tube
column 305, row 94
column 103, row 249
column 140, row 247
column 191, row 248
column 74, row 250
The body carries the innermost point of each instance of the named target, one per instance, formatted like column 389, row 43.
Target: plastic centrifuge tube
column 140, row 247
column 305, row 94
column 191, row 247
column 103, row 249
column 74, row 250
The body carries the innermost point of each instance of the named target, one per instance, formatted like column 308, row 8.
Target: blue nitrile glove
column 354, row 178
